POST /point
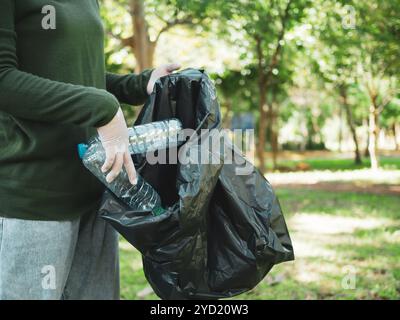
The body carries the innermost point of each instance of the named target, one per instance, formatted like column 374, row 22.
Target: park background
column 318, row 81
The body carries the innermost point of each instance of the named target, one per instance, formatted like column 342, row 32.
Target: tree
column 263, row 25
column 379, row 44
column 335, row 62
column 364, row 52
column 164, row 15
column 391, row 120
column 276, row 98
column 350, row 121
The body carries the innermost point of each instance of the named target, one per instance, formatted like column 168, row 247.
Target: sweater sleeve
column 130, row 89
column 35, row 98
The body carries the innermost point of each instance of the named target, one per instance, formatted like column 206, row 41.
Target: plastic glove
column 115, row 140
column 159, row 72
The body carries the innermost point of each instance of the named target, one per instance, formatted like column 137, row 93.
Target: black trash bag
column 222, row 232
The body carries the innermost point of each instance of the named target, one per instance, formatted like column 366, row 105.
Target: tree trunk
column 394, row 130
column 143, row 48
column 262, row 86
column 310, row 129
column 350, row 122
column 373, row 135
column 274, row 139
column 264, row 81
column 262, row 124
column 274, row 130
column 340, row 136
column 366, row 151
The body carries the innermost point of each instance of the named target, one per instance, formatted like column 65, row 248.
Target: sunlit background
column 318, row 81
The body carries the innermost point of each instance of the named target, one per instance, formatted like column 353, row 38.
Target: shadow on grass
column 375, row 254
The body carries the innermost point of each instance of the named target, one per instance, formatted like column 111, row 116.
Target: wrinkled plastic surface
column 222, row 232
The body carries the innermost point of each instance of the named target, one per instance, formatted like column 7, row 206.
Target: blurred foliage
column 310, row 52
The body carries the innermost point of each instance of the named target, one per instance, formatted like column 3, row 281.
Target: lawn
column 335, row 235
column 392, row 163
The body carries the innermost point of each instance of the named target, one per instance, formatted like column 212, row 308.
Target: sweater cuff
column 146, row 75
column 108, row 109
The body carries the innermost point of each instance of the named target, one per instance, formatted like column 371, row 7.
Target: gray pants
column 58, row 260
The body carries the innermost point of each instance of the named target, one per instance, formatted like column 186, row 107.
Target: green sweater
column 54, row 92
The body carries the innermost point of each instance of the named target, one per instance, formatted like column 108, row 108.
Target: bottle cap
column 82, row 148
column 158, row 211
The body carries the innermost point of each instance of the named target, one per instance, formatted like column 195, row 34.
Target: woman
column 55, row 94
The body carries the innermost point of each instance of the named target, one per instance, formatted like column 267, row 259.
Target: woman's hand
column 115, row 140
column 159, row 72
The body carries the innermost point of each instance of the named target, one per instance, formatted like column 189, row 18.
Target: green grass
column 340, row 203
column 132, row 276
column 357, row 230
column 342, row 164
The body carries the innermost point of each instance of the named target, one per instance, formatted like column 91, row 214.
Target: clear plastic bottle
column 154, row 136
column 141, row 196
column 142, row 139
